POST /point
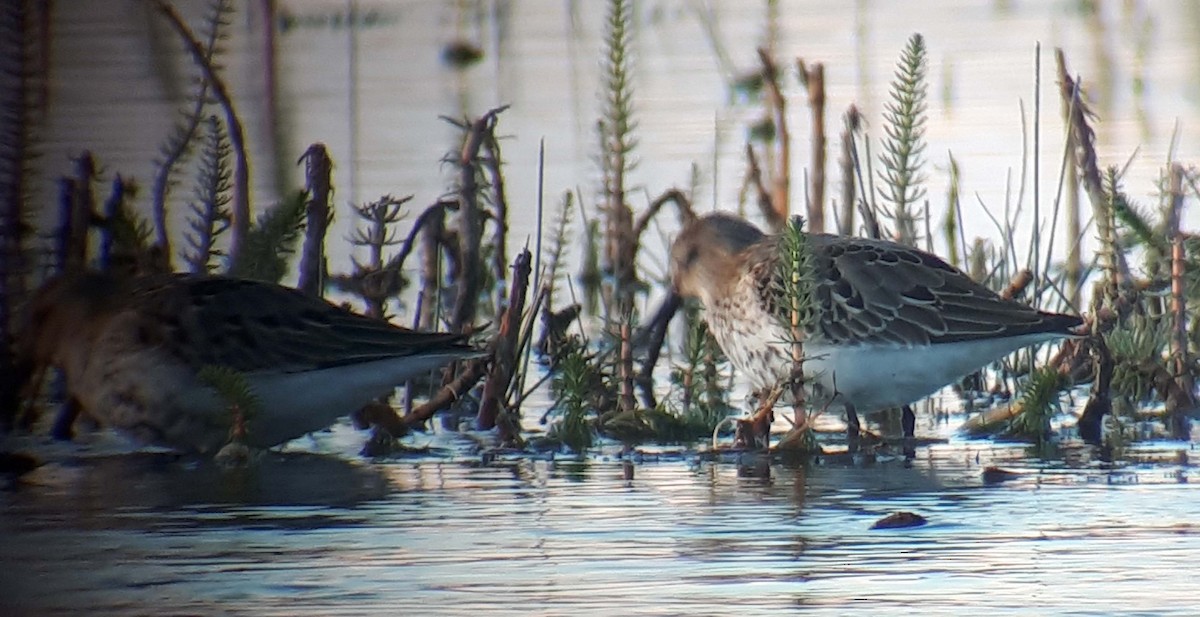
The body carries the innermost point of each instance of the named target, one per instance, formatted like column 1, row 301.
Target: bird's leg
column 908, row 420
column 34, row 375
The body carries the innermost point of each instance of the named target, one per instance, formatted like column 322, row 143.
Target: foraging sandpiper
column 893, row 324
column 132, row 353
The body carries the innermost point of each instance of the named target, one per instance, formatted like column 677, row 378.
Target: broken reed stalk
column 1179, row 340
column 626, row 400
column 492, row 410
column 1074, row 266
column 112, row 209
column 82, row 208
column 470, row 218
column 516, row 388
column 1017, row 285
column 433, row 225
column 781, row 174
column 850, row 124
column 62, row 234
column 318, row 170
column 1086, row 161
column 813, row 79
column 240, row 225
column 464, row 380
column 866, row 184
column 754, row 178
column 499, row 217
column 76, row 205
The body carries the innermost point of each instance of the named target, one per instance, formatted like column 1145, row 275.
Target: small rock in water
column 899, row 520
column 17, row 463
column 13, row 465
column 379, row 444
column 234, row 454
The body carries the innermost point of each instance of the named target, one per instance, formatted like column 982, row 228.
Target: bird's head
column 706, row 255
column 61, row 316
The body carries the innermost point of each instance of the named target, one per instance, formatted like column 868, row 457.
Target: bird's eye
column 692, row 255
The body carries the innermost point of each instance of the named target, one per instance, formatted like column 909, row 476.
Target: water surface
column 668, row 535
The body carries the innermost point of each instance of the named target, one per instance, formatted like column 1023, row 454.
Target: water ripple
column 545, row 537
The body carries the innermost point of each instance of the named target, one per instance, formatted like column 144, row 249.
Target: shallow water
column 301, row 534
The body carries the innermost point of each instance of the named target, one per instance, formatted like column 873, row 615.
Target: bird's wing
column 879, row 292
column 253, row 326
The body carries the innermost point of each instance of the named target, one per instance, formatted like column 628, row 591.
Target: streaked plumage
column 893, row 324
column 131, row 351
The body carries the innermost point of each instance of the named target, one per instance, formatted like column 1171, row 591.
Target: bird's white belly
column 300, row 403
column 162, row 402
column 878, row 377
column 870, row 377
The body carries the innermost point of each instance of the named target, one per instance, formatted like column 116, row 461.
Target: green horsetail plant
column 1106, row 227
column 903, row 145
column 703, row 396
column 559, row 240
column 129, row 230
column 1039, row 402
column 210, row 210
column 126, row 239
column 234, row 390
column 797, row 288
column 571, row 385
column 1138, row 347
column 1127, row 213
column 714, row 406
column 616, row 127
column 272, row 241
column 796, row 279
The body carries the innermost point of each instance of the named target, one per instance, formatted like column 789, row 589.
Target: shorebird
column 893, row 324
column 132, row 353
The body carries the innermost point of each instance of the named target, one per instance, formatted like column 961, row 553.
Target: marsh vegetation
column 605, row 457
column 591, row 331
